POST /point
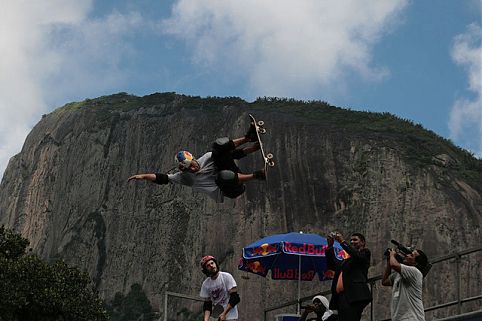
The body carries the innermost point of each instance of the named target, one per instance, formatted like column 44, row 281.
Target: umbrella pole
column 298, row 306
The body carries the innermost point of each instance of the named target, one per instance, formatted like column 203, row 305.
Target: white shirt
column 203, row 181
column 217, row 291
column 407, row 294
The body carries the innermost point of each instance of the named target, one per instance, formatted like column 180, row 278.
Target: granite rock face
column 67, row 192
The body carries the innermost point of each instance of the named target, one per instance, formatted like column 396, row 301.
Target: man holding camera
column 406, row 283
column 320, row 308
column 349, row 290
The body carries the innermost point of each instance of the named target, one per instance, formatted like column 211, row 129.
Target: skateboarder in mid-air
column 215, row 173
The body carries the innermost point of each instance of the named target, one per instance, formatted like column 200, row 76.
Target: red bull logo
column 264, row 250
column 256, row 267
column 305, row 248
column 292, row 274
column 329, row 274
column 342, row 255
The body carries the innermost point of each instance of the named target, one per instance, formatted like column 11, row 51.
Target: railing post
column 457, row 282
column 371, row 303
column 165, row 304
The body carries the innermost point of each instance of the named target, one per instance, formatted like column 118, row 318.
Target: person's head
column 186, row 162
column 320, row 303
column 417, row 258
column 357, row 241
column 209, row 265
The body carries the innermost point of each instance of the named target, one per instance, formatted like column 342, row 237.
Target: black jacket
column 355, row 275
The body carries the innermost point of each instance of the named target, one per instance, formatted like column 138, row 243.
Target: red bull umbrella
column 291, row 256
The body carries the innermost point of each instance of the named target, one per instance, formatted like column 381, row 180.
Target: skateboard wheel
column 269, row 156
column 260, row 123
column 271, row 163
column 262, row 131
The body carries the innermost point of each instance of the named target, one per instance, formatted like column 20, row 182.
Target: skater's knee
column 221, row 141
column 226, row 177
column 223, row 144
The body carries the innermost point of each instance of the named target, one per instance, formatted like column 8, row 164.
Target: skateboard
column 260, row 130
column 216, row 312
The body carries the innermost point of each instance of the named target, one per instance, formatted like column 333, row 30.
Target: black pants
column 224, row 153
column 231, row 190
column 349, row 311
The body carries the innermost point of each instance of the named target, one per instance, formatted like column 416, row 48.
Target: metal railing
column 167, row 294
column 459, row 300
column 372, row 281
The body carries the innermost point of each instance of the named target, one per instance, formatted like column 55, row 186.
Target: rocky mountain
column 336, row 169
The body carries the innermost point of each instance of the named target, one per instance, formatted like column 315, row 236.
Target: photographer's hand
column 394, row 264
column 388, row 270
column 305, row 313
column 330, row 240
column 339, row 237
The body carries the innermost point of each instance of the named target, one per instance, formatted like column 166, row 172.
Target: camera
column 333, row 234
column 400, row 249
column 398, row 257
column 307, row 307
column 403, row 249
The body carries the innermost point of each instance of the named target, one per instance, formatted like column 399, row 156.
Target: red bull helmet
column 184, row 159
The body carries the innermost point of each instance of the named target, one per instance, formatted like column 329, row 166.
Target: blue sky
column 420, row 60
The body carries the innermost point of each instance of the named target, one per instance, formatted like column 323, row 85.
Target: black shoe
column 261, row 175
column 251, row 135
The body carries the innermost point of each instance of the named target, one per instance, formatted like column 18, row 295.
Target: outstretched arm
column 157, row 178
column 394, row 264
column 386, row 274
column 330, row 254
column 140, row 177
column 362, row 255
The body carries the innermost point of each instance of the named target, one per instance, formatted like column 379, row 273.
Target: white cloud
column 465, row 121
column 285, row 47
column 90, row 55
column 52, row 52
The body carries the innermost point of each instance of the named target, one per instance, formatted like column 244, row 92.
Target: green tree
column 34, row 290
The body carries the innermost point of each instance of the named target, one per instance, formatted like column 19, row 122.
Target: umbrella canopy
column 291, row 256
column 284, row 254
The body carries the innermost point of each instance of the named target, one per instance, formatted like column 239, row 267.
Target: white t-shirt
column 203, row 181
column 407, row 304
column 217, row 291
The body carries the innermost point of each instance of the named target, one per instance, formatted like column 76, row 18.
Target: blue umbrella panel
column 283, row 254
